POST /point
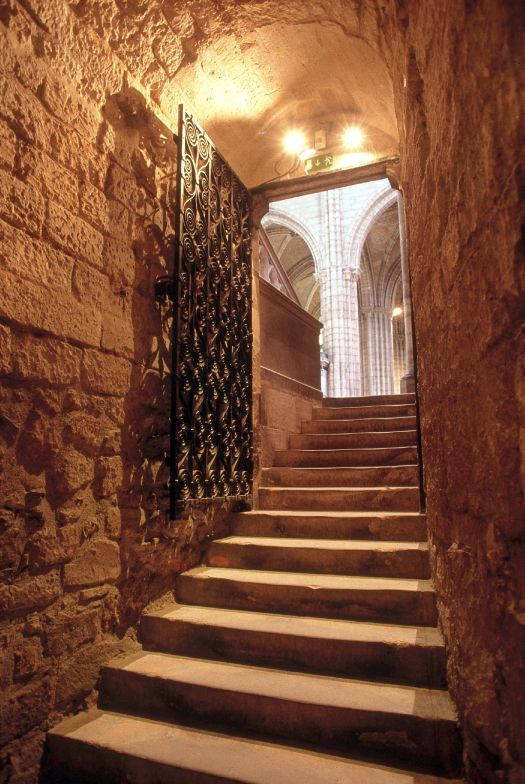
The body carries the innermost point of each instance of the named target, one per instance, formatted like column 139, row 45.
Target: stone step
column 389, row 600
column 394, row 499
column 359, row 425
column 402, row 654
column 414, row 723
column 384, row 526
column 395, row 455
column 341, row 476
column 380, row 439
column 323, row 556
column 369, row 400
column 109, row 748
column 361, row 412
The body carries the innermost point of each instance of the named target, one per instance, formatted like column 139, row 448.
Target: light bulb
column 294, row 142
column 353, row 137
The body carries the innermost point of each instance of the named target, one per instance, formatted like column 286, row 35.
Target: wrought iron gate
column 211, row 422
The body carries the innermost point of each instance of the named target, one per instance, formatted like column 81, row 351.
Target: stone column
column 340, row 317
column 408, row 383
column 378, row 347
column 350, row 319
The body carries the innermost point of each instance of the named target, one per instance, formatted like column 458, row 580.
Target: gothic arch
column 355, row 239
column 282, row 218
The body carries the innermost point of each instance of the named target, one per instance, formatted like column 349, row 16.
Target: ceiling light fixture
column 294, row 142
column 353, row 137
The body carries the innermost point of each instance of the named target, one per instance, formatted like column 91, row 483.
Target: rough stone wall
column 86, row 195
column 458, row 81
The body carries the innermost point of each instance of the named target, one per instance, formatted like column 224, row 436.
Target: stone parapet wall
column 290, row 370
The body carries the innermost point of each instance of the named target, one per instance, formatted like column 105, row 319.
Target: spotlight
column 294, row 142
column 397, row 311
column 353, row 137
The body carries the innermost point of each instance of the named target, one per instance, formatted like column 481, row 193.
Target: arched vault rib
column 356, row 237
column 279, row 216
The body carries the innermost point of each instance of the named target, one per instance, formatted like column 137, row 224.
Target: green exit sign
column 319, row 163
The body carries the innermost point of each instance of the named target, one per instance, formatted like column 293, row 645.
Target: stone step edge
column 169, row 616
column 264, row 683
column 377, row 771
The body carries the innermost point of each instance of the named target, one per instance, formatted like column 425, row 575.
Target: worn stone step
column 331, row 525
column 367, row 440
column 415, row 723
column 341, row 476
column 403, row 654
column 389, row 600
column 361, row 412
column 369, row 400
column 395, row 455
column 323, row 556
column 102, row 747
column 396, row 499
column 367, row 425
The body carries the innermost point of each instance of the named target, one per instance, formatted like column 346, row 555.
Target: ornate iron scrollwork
column 212, row 347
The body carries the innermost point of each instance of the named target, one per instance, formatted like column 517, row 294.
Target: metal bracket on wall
column 164, row 289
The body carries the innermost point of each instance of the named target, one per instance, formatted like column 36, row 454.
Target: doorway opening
column 342, row 254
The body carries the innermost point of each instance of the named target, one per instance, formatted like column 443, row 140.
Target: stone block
column 112, row 443
column 17, row 110
column 91, row 285
column 120, row 185
column 120, row 221
column 58, row 184
column 29, row 593
column 7, row 148
column 86, row 432
column 169, row 52
column 79, row 673
column 37, row 307
column 49, row 266
column 28, row 658
column 68, row 631
column 105, row 374
column 21, row 204
column 90, row 595
column 46, row 359
column 12, row 535
column 5, row 350
column 108, row 476
column 118, row 331
column 57, row 97
column 94, row 206
column 47, row 548
column 26, row 708
column 113, row 522
column 120, row 259
column 77, row 509
column 97, row 562
column 73, row 234
column 71, row 471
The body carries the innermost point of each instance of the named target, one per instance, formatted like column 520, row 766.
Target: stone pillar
column 378, row 347
column 350, row 320
column 340, row 317
column 325, row 369
column 408, row 383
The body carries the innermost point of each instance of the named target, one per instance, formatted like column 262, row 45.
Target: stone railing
column 271, row 269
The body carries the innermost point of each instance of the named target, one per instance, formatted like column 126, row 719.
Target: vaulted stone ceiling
column 251, row 71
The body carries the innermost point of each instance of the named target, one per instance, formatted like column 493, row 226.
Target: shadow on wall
column 153, row 548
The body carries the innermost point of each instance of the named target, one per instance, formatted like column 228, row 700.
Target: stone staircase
column 306, row 649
